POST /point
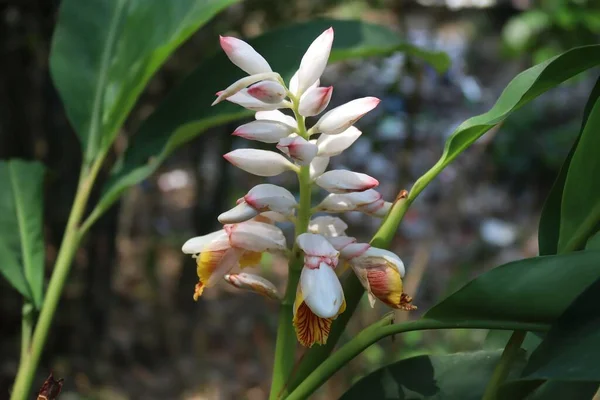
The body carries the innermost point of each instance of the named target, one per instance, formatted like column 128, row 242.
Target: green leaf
column 186, row 112
column 461, row 376
column 580, row 209
column 549, row 229
column 536, row 290
column 498, row 339
column 594, row 242
column 104, row 52
column 21, row 239
column 569, row 351
column 549, row 390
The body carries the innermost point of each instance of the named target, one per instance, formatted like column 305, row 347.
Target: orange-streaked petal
column 385, row 283
column 198, row 290
column 311, row 329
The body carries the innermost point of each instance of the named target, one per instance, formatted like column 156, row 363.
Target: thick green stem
column 285, row 347
column 27, row 320
column 70, row 243
column 378, row 331
column 503, row 368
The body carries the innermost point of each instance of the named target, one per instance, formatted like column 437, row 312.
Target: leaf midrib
column 23, row 234
column 95, row 122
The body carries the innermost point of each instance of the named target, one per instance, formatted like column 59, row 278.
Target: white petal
column 264, row 131
column 327, row 226
column 339, row 242
column 256, row 236
column 242, row 83
column 354, row 250
column 343, row 181
column 259, row 162
column 199, row 244
column 268, row 91
column 240, row 213
column 388, row 256
column 341, row 118
column 363, row 198
column 277, row 115
column 316, row 245
column 314, row 101
column 333, row 145
column 298, row 148
column 267, row 197
column 229, row 261
column 317, row 166
column 244, row 56
column 314, row 61
column 274, row 216
column 243, row 99
column 336, row 203
column 322, row 291
column 252, row 283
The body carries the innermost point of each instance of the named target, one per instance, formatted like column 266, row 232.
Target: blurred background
column 127, row 327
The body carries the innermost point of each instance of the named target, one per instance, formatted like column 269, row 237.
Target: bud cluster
column 249, row 227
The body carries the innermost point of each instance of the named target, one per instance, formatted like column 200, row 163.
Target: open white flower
column 241, row 244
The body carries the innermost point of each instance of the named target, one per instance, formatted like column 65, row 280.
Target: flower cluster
column 249, row 227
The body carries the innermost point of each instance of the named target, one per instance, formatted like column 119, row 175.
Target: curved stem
column 503, row 368
column 372, row 334
column 285, row 347
column 71, row 239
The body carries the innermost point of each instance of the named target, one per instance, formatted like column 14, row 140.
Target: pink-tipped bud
column 341, row 118
column 333, row 145
column 240, row 84
column 268, row 197
column 344, row 181
column 259, row 162
column 244, row 56
column 298, row 148
column 267, row 91
column 314, row 61
column 253, row 283
column 264, row 131
column 243, row 99
column 314, row 101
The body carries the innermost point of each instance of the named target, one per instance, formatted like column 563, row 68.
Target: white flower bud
column 240, row 84
column 333, row 145
column 298, row 148
column 314, row 61
column 264, row 131
column 259, row 162
column 253, row 283
column 314, row 101
column 341, row 118
column 317, row 166
column 268, row 91
column 243, row 99
column 277, row 115
column 343, row 181
column 244, row 56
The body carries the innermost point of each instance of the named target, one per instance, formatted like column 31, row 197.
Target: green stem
column 285, row 347
column 372, row 334
column 503, row 368
column 27, row 320
column 70, row 243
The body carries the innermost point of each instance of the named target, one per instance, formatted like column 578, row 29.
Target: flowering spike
column 244, row 56
column 314, row 101
column 278, row 116
column 253, row 283
column 298, row 148
column 264, row 131
column 314, row 61
column 240, row 84
column 259, row 162
column 333, row 145
column 267, row 91
column 343, row 181
column 243, row 99
column 341, row 118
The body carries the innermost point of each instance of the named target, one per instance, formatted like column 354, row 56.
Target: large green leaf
column 186, row 112
column 580, row 209
column 551, row 213
column 461, row 376
column 569, row 351
column 536, row 289
column 21, row 239
column 104, row 53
